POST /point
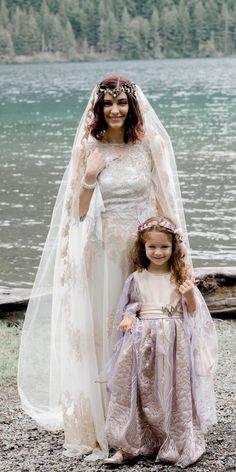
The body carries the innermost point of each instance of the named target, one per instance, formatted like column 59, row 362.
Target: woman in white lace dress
column 122, row 166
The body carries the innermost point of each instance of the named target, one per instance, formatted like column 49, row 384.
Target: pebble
column 28, row 448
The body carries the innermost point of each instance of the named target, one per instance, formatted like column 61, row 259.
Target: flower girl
column 160, row 383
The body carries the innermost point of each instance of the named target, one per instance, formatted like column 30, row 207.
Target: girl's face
column 158, row 247
column 115, row 110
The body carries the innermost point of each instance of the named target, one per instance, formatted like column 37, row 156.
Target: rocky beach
column 26, row 447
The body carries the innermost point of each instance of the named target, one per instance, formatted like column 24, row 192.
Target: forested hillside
column 116, row 29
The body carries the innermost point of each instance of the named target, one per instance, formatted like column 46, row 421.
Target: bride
column 122, row 169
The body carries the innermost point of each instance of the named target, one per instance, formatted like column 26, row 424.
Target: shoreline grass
column 9, row 348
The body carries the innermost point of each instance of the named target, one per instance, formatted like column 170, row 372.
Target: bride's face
column 115, row 110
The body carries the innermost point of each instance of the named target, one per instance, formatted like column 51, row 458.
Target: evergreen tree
column 169, row 31
column 54, row 6
column 31, row 34
column 55, row 36
column 4, row 16
column 78, row 18
column 233, row 26
column 127, row 39
column 69, row 46
column 155, row 40
column 131, row 6
column 16, row 25
column 145, row 9
column 60, row 39
column 183, row 37
column 135, row 39
column 23, row 5
column 62, row 13
column 141, row 32
column 102, row 10
column 208, row 48
column 6, row 46
column 26, row 33
column 93, row 22
column 214, row 25
column 120, row 28
column 226, row 25
column 108, row 34
column 118, row 7
column 45, row 25
column 200, row 26
column 113, row 31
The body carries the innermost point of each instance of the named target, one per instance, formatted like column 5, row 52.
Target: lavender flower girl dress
column 161, row 374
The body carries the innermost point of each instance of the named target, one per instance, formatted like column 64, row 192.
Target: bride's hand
column 95, row 164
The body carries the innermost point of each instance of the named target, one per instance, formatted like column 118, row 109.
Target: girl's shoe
column 119, row 458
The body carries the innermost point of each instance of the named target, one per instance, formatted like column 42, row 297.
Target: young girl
column 161, row 374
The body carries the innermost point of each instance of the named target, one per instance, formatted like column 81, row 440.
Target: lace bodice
column 125, row 183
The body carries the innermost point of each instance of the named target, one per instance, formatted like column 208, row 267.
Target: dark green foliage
column 25, row 32
column 124, row 29
column 6, row 46
column 23, row 4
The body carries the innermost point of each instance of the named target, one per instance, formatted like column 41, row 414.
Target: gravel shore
column 28, row 448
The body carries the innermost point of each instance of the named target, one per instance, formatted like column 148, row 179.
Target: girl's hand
column 194, row 280
column 95, row 164
column 187, row 290
column 126, row 324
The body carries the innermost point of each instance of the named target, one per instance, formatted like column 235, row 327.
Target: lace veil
column 60, row 308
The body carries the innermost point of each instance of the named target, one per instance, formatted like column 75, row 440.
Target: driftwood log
column 13, row 303
column 217, row 285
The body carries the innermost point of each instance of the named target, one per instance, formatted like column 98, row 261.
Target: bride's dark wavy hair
column 134, row 121
column 179, row 269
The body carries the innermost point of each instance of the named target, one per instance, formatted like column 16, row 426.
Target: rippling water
column 40, row 107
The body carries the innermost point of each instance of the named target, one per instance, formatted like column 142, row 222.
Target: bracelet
column 87, row 186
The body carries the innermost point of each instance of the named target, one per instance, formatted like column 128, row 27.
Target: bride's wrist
column 88, row 186
column 88, row 181
column 90, row 177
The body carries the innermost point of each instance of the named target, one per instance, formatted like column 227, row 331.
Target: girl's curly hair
column 180, row 270
column 134, row 121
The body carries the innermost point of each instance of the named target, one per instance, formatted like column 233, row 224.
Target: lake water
column 40, row 106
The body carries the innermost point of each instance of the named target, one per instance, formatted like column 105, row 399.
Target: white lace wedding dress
column 127, row 190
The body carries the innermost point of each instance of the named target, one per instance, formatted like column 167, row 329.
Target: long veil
column 51, row 371
column 165, row 175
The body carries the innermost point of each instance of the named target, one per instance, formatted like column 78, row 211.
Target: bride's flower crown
column 129, row 88
column 170, row 227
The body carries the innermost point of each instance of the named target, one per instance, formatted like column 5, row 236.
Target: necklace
column 116, row 151
column 114, row 144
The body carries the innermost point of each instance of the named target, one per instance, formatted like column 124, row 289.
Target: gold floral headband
column 129, row 88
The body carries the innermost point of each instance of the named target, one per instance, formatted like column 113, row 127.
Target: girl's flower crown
column 170, row 227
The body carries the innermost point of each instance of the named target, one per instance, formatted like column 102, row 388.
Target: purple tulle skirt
column 151, row 408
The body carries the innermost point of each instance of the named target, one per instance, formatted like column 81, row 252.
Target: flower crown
column 129, row 88
column 170, row 227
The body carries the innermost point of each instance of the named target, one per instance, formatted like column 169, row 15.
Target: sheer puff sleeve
column 203, row 352
column 129, row 303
